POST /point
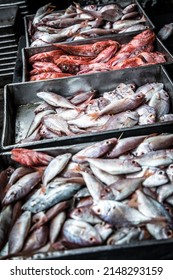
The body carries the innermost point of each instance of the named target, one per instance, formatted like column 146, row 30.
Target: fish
column 166, row 31
column 41, row 12
column 147, row 114
column 103, row 176
column 160, row 101
column 84, row 214
column 119, row 25
column 155, row 158
column 130, row 8
column 57, row 124
column 55, row 167
column 42, row 201
column 96, row 150
column 157, row 179
column 104, row 230
column 30, row 158
column 124, row 236
column 115, row 166
column 5, row 224
column 55, row 100
column 48, row 75
column 124, row 104
column 56, row 225
column 22, row 187
column 20, row 228
column 118, row 214
column 81, row 233
column 164, row 192
column 125, row 145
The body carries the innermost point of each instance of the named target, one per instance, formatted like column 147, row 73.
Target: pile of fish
column 67, row 60
column 117, row 191
column 84, row 112
column 77, row 23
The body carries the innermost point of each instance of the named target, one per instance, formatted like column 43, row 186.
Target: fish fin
column 120, row 135
column 95, row 115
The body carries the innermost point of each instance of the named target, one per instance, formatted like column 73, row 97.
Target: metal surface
column 8, row 19
column 140, row 9
column 122, row 39
column 148, row 249
column 21, row 99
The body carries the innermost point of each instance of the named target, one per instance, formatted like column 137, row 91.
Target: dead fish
column 166, row 31
column 37, row 121
column 36, row 239
column 44, row 106
column 130, row 15
column 135, row 27
column 55, row 167
column 57, row 124
column 84, row 214
column 115, row 166
column 124, row 145
column 103, row 176
column 96, row 150
column 147, row 114
column 41, row 12
column 22, row 187
column 19, row 232
column 55, row 100
column 119, row 25
column 5, row 224
column 164, row 191
column 80, row 233
column 157, row 179
column 130, row 8
column 124, row 236
column 41, row 201
column 56, row 225
column 149, row 89
column 124, row 104
column 166, row 118
column 161, row 102
column 94, row 186
column 104, row 230
column 118, row 214
column 155, row 158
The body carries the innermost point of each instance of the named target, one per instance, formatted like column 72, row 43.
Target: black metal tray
column 20, row 101
column 122, row 39
column 145, row 250
column 148, row 22
column 9, row 17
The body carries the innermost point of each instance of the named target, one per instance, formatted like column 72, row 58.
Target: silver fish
column 55, row 100
column 118, row 214
column 164, row 191
column 166, row 117
column 5, row 224
column 56, row 225
column 103, row 176
column 166, row 31
column 19, row 232
column 37, row 120
column 36, row 239
column 115, row 166
column 119, row 25
column 149, row 89
column 147, row 114
column 157, row 179
column 96, row 150
column 55, row 167
column 124, row 236
column 124, row 145
column 84, row 214
column 156, row 158
column 161, row 102
column 80, row 233
column 104, row 230
column 22, row 187
column 56, row 124
column 42, row 201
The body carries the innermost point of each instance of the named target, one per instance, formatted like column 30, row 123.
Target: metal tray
column 28, row 52
column 8, row 19
column 29, row 18
column 20, row 101
column 145, row 250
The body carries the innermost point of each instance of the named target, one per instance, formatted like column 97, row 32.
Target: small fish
column 84, row 214
column 161, row 102
column 29, row 157
column 56, row 225
column 124, row 236
column 164, row 191
column 56, row 100
column 157, row 179
column 96, row 150
column 80, row 233
column 118, row 214
column 57, row 124
column 19, row 233
column 166, row 31
column 22, row 187
column 115, row 166
column 55, row 167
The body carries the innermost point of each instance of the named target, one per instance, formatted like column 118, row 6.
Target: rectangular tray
column 8, row 19
column 20, row 99
column 140, row 9
column 28, row 52
column 145, row 250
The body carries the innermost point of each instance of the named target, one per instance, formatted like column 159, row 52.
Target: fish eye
column 107, row 142
column 161, row 172
column 92, row 239
column 98, row 210
column 79, row 210
column 169, row 233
